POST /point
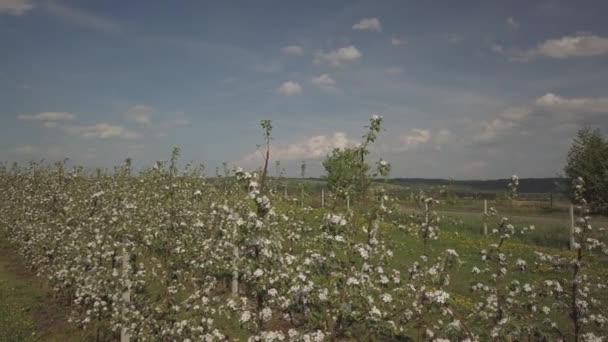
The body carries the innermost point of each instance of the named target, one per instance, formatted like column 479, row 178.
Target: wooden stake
column 126, row 295
column 235, row 259
column 485, row 217
column 322, row 198
column 571, row 226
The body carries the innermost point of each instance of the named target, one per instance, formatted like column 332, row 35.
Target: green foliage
column 342, row 176
column 588, row 159
column 347, row 169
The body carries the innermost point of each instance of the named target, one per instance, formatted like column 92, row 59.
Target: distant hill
column 526, row 185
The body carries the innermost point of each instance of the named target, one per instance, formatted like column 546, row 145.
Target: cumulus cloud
column 368, row 24
column 101, row 131
column 415, row 137
column 290, row 88
column 15, row 7
column 582, row 45
column 344, row 55
column 398, row 41
column 577, row 105
column 47, row 116
column 324, row 82
column 493, row 129
column 549, row 112
column 140, row 114
column 293, row 50
column 315, row 147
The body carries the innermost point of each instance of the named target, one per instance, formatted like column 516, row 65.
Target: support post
column 485, row 217
column 323, row 198
column 348, row 202
column 426, row 213
column 571, row 226
column 235, row 260
column 126, row 295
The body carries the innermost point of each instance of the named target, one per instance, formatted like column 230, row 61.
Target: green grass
column 18, row 297
column 26, row 311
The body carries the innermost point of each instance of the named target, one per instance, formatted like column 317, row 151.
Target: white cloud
column 15, row 7
column 47, row 116
column 140, row 114
column 577, row 105
column 368, row 24
column 398, row 41
column 582, row 45
column 491, row 130
column 81, row 18
column 324, row 82
column 349, row 54
column 512, row 23
column 415, row 137
column 315, row 147
column 290, row 88
column 515, row 113
column 293, row 50
column 101, row 131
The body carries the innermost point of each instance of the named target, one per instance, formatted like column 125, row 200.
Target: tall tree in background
column 588, row 159
column 347, row 169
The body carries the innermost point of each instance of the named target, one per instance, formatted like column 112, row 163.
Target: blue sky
column 467, row 89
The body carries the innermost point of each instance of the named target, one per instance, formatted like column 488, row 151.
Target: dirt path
column 28, row 311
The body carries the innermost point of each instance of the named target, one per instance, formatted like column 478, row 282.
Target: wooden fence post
column 485, row 217
column 348, row 202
